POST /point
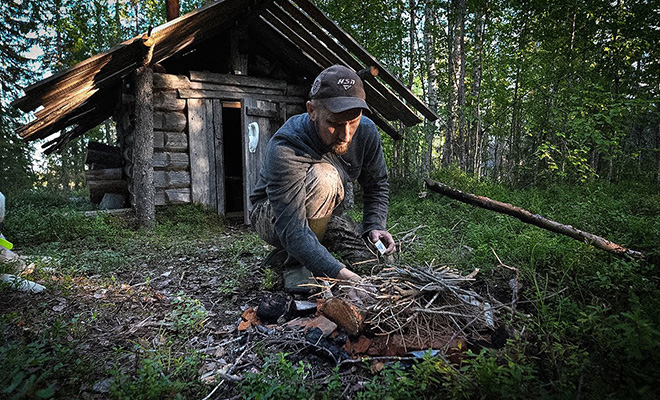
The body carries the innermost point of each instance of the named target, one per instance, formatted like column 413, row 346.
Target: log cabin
column 196, row 99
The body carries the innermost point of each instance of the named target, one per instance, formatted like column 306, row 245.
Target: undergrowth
column 591, row 324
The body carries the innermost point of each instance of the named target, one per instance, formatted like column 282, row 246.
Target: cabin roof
column 78, row 99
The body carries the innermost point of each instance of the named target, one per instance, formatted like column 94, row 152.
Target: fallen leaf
column 377, row 367
column 249, row 318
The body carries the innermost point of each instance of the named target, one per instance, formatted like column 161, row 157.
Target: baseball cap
column 339, row 89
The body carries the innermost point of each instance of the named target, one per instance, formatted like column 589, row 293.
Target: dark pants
column 325, row 193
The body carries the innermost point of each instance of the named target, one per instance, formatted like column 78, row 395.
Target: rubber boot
column 296, row 275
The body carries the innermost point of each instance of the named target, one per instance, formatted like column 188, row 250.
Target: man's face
column 335, row 130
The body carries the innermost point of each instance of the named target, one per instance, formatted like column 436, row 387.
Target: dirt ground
column 193, row 303
column 172, row 304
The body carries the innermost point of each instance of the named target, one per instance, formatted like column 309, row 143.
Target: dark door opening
column 232, row 138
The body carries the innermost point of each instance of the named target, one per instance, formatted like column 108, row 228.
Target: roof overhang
column 78, row 99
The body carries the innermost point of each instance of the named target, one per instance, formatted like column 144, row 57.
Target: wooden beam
column 385, row 126
column 350, row 43
column 231, row 88
column 309, row 31
column 118, row 62
column 93, row 72
column 326, row 59
column 58, row 143
column 199, row 25
column 144, row 192
column 270, row 42
column 201, row 144
column 103, row 156
column 315, row 53
column 238, row 80
column 49, row 116
column 219, row 157
column 217, row 94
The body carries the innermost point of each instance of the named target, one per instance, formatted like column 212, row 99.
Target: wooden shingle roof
column 78, row 99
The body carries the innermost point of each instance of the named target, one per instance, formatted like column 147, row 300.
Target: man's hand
column 346, row 274
column 358, row 294
column 385, row 237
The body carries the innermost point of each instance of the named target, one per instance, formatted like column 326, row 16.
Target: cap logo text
column 346, row 83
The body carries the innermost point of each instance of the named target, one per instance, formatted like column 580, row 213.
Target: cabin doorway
column 227, row 140
column 232, row 139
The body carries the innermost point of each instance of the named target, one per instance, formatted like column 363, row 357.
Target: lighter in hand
column 380, row 246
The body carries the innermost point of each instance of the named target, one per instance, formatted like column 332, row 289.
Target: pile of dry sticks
column 424, row 305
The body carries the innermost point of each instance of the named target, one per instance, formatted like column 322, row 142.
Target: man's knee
column 263, row 221
column 324, row 190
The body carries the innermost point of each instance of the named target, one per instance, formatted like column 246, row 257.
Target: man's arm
column 374, row 182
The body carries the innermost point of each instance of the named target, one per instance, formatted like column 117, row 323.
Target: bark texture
column 144, row 192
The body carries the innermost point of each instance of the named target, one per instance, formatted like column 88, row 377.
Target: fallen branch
column 534, row 219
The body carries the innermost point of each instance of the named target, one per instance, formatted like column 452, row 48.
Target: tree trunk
column 462, row 130
column 397, row 173
column 529, row 218
column 448, row 147
column 431, row 86
column 657, row 151
column 480, row 27
column 144, row 193
column 455, row 138
column 412, row 33
column 515, row 135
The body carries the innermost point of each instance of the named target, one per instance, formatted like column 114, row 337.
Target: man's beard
column 340, row 149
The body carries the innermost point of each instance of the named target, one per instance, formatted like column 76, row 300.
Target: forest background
column 528, row 92
column 553, row 107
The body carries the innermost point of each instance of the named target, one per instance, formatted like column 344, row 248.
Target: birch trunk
column 431, row 86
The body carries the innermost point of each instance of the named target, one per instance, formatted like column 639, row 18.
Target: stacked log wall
column 171, row 93
column 171, row 158
column 124, row 117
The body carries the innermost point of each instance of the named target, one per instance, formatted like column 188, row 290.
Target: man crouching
column 309, row 162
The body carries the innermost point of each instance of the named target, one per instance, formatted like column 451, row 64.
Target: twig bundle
column 426, row 306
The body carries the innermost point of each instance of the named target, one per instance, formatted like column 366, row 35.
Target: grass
column 593, row 329
column 162, row 372
column 595, row 316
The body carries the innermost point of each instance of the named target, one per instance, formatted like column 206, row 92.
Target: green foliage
column 595, row 316
column 15, row 168
column 16, row 69
column 282, row 379
column 380, row 27
column 28, row 370
column 188, row 315
column 51, row 222
column 40, row 368
column 270, row 279
column 485, row 375
column 42, row 216
column 160, row 374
